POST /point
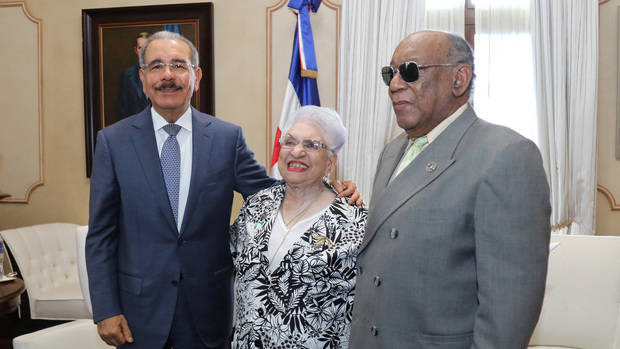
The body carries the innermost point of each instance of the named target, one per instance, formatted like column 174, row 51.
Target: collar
column 185, row 121
column 434, row 133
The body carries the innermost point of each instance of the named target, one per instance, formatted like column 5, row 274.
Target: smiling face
column 170, row 92
column 423, row 104
column 299, row 166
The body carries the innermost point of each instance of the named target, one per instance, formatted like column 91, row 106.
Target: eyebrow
column 175, row 60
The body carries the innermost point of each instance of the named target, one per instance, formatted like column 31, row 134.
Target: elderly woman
column 294, row 245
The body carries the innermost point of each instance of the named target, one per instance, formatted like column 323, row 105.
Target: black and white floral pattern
column 306, row 301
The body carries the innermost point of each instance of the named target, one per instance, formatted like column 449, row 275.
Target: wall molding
column 600, row 2
column 613, row 205
column 269, row 49
column 37, row 21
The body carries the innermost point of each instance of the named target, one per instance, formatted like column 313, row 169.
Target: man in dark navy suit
column 157, row 250
column 131, row 99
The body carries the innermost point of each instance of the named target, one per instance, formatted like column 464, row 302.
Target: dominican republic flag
column 301, row 88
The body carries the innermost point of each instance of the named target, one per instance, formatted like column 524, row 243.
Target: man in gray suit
column 456, row 246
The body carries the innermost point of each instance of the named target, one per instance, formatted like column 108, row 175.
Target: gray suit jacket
column 455, row 251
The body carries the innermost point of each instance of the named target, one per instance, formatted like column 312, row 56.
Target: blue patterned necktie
column 171, row 166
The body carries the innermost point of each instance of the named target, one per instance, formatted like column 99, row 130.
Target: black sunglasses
column 409, row 71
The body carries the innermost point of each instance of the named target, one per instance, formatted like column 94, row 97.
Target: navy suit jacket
column 131, row 99
column 134, row 253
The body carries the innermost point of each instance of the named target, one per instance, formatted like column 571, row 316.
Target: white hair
column 193, row 56
column 326, row 120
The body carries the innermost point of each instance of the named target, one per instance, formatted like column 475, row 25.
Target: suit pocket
column 462, row 340
column 130, row 284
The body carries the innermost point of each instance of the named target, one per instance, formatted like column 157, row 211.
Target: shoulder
column 267, row 196
column 494, row 147
column 342, row 210
column 131, row 70
column 126, row 124
column 212, row 121
column 497, row 139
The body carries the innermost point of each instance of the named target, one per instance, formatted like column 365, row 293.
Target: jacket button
column 359, row 270
column 258, row 343
column 377, row 281
column 394, row 233
column 180, row 241
column 174, row 283
column 373, row 331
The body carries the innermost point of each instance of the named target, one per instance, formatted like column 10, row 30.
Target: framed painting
column 112, row 38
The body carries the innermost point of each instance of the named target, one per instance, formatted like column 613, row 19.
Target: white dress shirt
column 184, row 138
column 282, row 238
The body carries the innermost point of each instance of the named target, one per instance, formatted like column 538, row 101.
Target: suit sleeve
column 250, row 176
column 103, row 231
column 512, row 228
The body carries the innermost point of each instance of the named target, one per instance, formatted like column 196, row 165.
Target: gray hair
column 461, row 53
column 170, row 36
column 326, row 120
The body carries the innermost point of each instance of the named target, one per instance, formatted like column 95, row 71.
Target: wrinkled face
column 420, row 106
column 170, row 91
column 299, row 164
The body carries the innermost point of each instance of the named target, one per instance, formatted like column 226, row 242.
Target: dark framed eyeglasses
column 409, row 71
column 312, row 145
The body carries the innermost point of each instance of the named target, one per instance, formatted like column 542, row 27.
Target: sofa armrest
column 74, row 334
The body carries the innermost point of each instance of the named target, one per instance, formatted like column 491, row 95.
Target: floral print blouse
column 306, row 301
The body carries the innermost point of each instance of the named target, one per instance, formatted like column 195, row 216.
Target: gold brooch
column 321, row 240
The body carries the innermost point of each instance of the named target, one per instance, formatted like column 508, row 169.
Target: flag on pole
column 171, row 28
column 301, row 87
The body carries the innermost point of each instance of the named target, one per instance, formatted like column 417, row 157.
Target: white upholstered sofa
column 582, row 299
column 80, row 334
column 46, row 257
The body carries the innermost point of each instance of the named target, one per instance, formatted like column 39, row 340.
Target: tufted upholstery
column 582, row 297
column 75, row 334
column 46, row 256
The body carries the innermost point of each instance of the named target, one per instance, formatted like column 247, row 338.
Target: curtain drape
column 445, row 15
column 370, row 31
column 504, row 86
column 565, row 45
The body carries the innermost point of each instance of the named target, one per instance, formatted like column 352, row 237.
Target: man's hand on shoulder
column 348, row 188
column 114, row 330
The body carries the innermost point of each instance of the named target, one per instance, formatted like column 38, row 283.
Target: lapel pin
column 431, row 166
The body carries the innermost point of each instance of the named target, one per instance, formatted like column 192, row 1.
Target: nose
column 167, row 72
column 298, row 150
column 397, row 83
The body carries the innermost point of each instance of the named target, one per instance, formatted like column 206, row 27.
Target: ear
column 141, row 73
column 461, row 80
column 198, row 77
column 331, row 163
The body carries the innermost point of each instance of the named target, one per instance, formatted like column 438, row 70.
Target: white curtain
column 565, row 43
column 504, row 85
column 370, row 31
column 445, row 15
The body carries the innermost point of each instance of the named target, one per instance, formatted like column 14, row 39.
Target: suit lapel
column 426, row 168
column 201, row 154
column 146, row 147
column 389, row 161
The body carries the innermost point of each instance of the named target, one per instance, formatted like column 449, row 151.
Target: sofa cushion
column 580, row 309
